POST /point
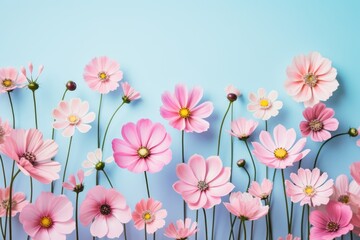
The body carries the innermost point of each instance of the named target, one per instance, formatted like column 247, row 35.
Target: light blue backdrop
column 160, row 43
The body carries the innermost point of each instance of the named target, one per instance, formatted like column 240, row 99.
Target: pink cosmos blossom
column 309, row 187
column 181, row 230
column 261, row 191
column 130, row 94
column 50, row 217
column 94, row 161
column 71, row 115
column 182, row 111
column 32, row 154
column 311, row 79
column 10, row 79
column 289, row 237
column 149, row 212
column 346, row 193
column 72, row 184
column 145, row 147
column 18, row 202
column 319, row 121
column 355, row 171
column 5, row 130
column 264, row 106
column 203, row 182
column 282, row 151
column 106, row 210
column 243, row 128
column 103, row 75
column 31, row 67
column 245, row 206
column 331, row 223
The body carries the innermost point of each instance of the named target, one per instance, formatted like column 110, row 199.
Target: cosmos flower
column 18, row 202
column 130, row 94
column 5, row 130
column 94, row 162
column 182, row 230
column 10, row 79
column 72, row 185
column 261, row 191
column 264, row 106
column 243, row 128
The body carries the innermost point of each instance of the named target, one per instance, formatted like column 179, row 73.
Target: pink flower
column 181, row 230
column 130, row 94
column 282, row 152
column 203, row 182
column 73, row 185
column 181, row 111
column 149, row 212
column 311, row 79
column 106, row 210
column 103, row 74
column 355, row 171
column 289, row 237
column 264, row 106
column 50, row 217
column 31, row 67
column 32, row 154
column 319, row 121
column 145, row 147
column 346, row 193
column 262, row 191
column 245, row 206
column 5, row 130
column 18, row 202
column 243, row 128
column 10, row 79
column 331, row 223
column 309, row 187
column 71, row 115
column 356, row 222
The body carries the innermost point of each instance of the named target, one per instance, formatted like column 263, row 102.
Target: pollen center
column 264, row 103
column 46, row 222
column 2, row 131
column 147, row 217
column 184, row 112
column 309, row 191
column 344, row 199
column 105, row 209
column 7, row 82
column 316, row 125
column 202, row 186
column 332, row 226
column 310, row 79
column 73, row 119
column 29, row 156
column 103, row 76
column 280, row 153
column 143, row 152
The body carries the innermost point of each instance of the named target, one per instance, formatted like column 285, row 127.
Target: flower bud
column 231, row 97
column 241, row 163
column 33, row 86
column 100, row 166
column 71, row 85
column 353, row 132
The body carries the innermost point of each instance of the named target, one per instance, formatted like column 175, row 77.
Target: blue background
column 161, row 43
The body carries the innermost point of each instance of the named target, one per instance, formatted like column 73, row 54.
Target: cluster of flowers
column 203, row 181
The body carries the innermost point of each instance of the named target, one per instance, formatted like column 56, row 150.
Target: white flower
column 94, row 161
column 264, row 106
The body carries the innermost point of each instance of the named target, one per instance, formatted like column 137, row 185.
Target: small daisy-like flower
column 73, row 185
column 18, row 202
column 5, row 130
column 243, row 128
column 10, row 79
column 103, row 74
column 71, row 115
column 264, row 106
column 232, row 93
column 94, row 162
column 261, row 191
column 182, row 230
column 130, row 94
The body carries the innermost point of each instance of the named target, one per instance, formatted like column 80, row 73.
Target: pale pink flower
column 331, row 223
column 181, row 230
column 50, row 217
column 73, row 185
column 182, row 111
column 243, row 128
column 10, row 79
column 347, row 193
column 130, row 94
column 261, row 191
column 71, row 115
column 5, row 130
column 203, row 182
column 31, row 67
column 264, row 106
column 311, row 79
column 289, row 237
column 149, row 212
column 282, row 151
column 309, row 187
column 106, row 210
column 103, row 74
column 32, row 154
column 145, row 147
column 232, row 93
column 319, row 121
column 94, row 161
column 355, row 171
column 245, row 206
column 18, row 202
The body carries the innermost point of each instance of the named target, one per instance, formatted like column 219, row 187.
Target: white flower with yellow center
column 263, row 105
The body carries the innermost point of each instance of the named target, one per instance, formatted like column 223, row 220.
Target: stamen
column 202, row 186
column 280, row 153
column 310, row 79
column 316, row 125
column 184, row 112
column 105, row 209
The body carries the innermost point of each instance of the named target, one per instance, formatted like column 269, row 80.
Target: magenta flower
column 130, row 94
column 331, row 223
column 245, row 206
column 73, row 185
column 309, row 187
column 32, row 154
column 181, row 230
column 71, row 115
column 149, row 212
column 50, row 217
column 347, row 193
column 106, row 210
column 5, row 130
column 243, row 128
column 203, row 182
column 10, row 79
column 18, row 202
column 146, row 147
column 355, row 171
column 282, row 151
column 311, row 79
column 182, row 111
column 289, row 237
column 261, row 191
column 264, row 106
column 319, row 121
column 103, row 75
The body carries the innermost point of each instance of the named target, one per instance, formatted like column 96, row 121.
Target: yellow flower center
column 103, row 76
column 264, row 103
column 309, row 191
column 7, row 82
column 46, row 222
column 73, row 119
column 147, row 216
column 184, row 112
column 310, row 79
column 316, row 125
column 332, row 226
column 143, row 152
column 280, row 153
column 344, row 199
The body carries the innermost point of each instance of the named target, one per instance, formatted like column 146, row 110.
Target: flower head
column 18, row 202
column 289, row 237
column 94, row 162
column 106, row 210
column 232, row 93
column 282, row 151
column 264, row 106
column 203, row 182
column 148, row 212
column 103, row 74
column 309, row 187
column 10, row 79
column 73, row 185
column 71, row 85
column 261, row 191
column 33, row 85
column 182, row 111
column 71, row 115
column 5, row 130
column 130, row 94
column 346, row 193
column 243, row 128
column 355, row 171
column 145, row 147
column 50, row 217
column 182, row 230
column 311, row 79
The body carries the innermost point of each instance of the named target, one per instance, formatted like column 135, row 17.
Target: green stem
column 206, row 230
column 147, row 185
column 213, row 224
column 286, row 202
column 197, row 220
column 221, row 126
column 98, row 125
column 351, row 235
column 232, row 222
column 267, row 168
column 66, row 163
column 35, row 110
column 252, row 159
column 252, row 229
column 248, row 178
column 269, row 218
column 10, row 203
column 107, row 177
column 243, row 223
column 302, row 222
column 31, row 190
column 231, row 146
column 12, row 110
column 6, row 216
column 3, row 170
column 183, row 161
column 239, row 232
column 125, row 231
column 308, row 222
column 2, row 230
column 273, row 180
column 97, row 178
column 76, row 216
column 154, row 236
column 145, row 232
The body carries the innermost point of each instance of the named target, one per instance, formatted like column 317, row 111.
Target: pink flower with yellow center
column 347, row 193
column 182, row 230
column 5, row 130
column 18, row 202
column 263, row 105
column 10, row 79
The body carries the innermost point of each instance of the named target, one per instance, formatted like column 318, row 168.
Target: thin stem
column 197, row 220
column 145, row 232
column 10, row 203
column 154, row 236
column 247, row 172
column 221, row 126
column 232, row 222
column 239, row 232
column 12, row 110
column 243, row 223
column 291, row 212
column 98, row 125
column 124, row 225
column 3, row 170
column 147, row 185
column 31, row 190
column 302, row 222
column 308, row 222
column 97, row 178
column 76, row 216
column 66, row 163
column 252, row 230
column 35, row 110
column 107, row 177
column 267, row 168
column 351, row 235
column 12, row 176
column 273, row 180
column 213, row 223
column 183, row 161
column 267, row 222
column 269, row 218
column 206, row 230
column 286, row 202
column 2, row 230
column 252, row 159
column 231, row 146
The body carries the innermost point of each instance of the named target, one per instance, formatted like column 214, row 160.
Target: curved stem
column 12, row 110
column 286, row 202
column 247, row 172
column 124, row 225
column 243, row 222
column 76, row 216
column 213, row 223
column 232, row 222
column 302, row 222
column 3, row 170
column 206, row 230
column 221, row 126
column 6, row 215
column 269, row 219
column 98, row 125
column 107, row 177
column 67, row 161
column 252, row 159
column 273, row 180
column 10, row 203
column 147, row 185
